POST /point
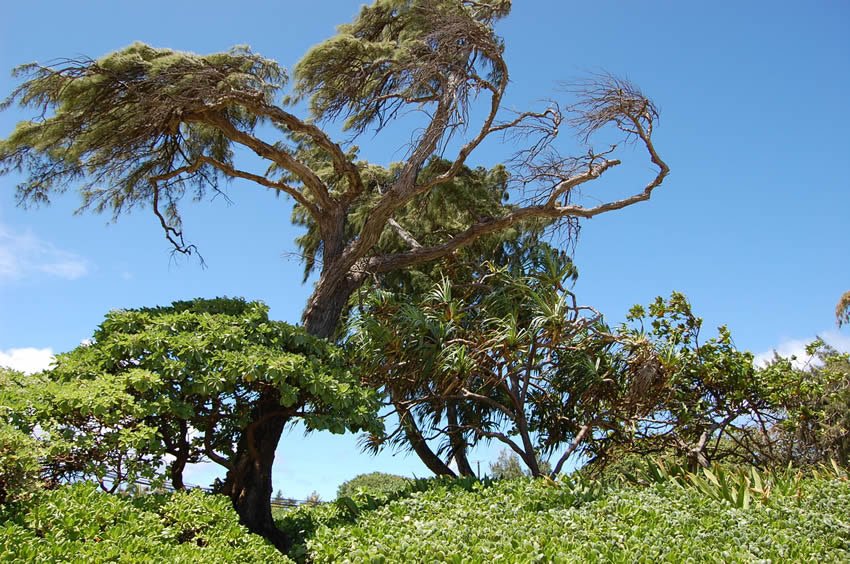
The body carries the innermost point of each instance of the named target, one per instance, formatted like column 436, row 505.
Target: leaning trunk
column 458, row 442
column 176, row 472
column 327, row 304
column 420, row 446
column 249, row 481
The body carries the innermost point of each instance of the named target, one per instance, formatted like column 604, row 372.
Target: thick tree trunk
column 181, row 457
column 249, row 482
column 176, row 472
column 330, row 298
column 458, row 443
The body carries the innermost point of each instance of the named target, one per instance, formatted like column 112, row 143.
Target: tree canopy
column 190, row 381
column 145, row 127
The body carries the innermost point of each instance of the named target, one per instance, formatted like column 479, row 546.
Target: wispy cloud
column 24, row 255
column 797, row 348
column 28, row 359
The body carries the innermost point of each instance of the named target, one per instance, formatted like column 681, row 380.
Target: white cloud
column 797, row 348
column 27, row 359
column 23, row 255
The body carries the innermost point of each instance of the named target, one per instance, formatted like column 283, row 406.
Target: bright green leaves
column 19, row 459
column 708, row 399
column 183, row 380
column 577, row 521
column 76, row 523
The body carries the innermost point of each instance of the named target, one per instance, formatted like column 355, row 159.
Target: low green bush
column 580, row 521
column 377, row 484
column 79, row 523
column 301, row 523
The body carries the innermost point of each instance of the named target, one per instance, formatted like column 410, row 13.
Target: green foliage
column 20, row 467
column 578, row 521
column 816, row 402
column 504, row 346
column 106, row 113
column 152, row 375
column 737, row 486
column 395, row 53
column 20, row 451
column 302, row 522
column 78, row 523
column 700, row 399
column 430, row 218
column 377, row 484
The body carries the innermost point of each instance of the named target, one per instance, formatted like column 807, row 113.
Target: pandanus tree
column 149, row 127
column 503, row 353
column 191, row 382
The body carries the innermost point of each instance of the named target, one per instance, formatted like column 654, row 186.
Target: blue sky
column 751, row 224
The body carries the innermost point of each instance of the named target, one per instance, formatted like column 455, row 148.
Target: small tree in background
column 509, row 466
column 495, row 352
column 815, row 404
column 377, row 484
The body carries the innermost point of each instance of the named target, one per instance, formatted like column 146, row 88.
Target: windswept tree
column 200, row 380
column 149, row 127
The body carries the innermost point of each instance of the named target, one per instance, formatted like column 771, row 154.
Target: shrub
column 301, row 523
column 376, row 484
column 80, row 523
column 578, row 521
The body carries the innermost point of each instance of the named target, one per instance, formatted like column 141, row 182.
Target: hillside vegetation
column 705, row 518
column 80, row 523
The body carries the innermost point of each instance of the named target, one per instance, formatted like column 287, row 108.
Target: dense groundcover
column 79, row 523
column 524, row 521
column 447, row 521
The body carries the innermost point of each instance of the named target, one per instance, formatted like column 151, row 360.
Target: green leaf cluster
column 117, row 122
column 21, row 453
column 183, row 380
column 78, row 523
column 375, row 483
column 502, row 343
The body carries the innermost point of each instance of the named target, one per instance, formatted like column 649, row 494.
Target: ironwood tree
column 150, row 127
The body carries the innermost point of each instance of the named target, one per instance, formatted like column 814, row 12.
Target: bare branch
column 341, row 163
column 571, row 449
column 282, row 158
